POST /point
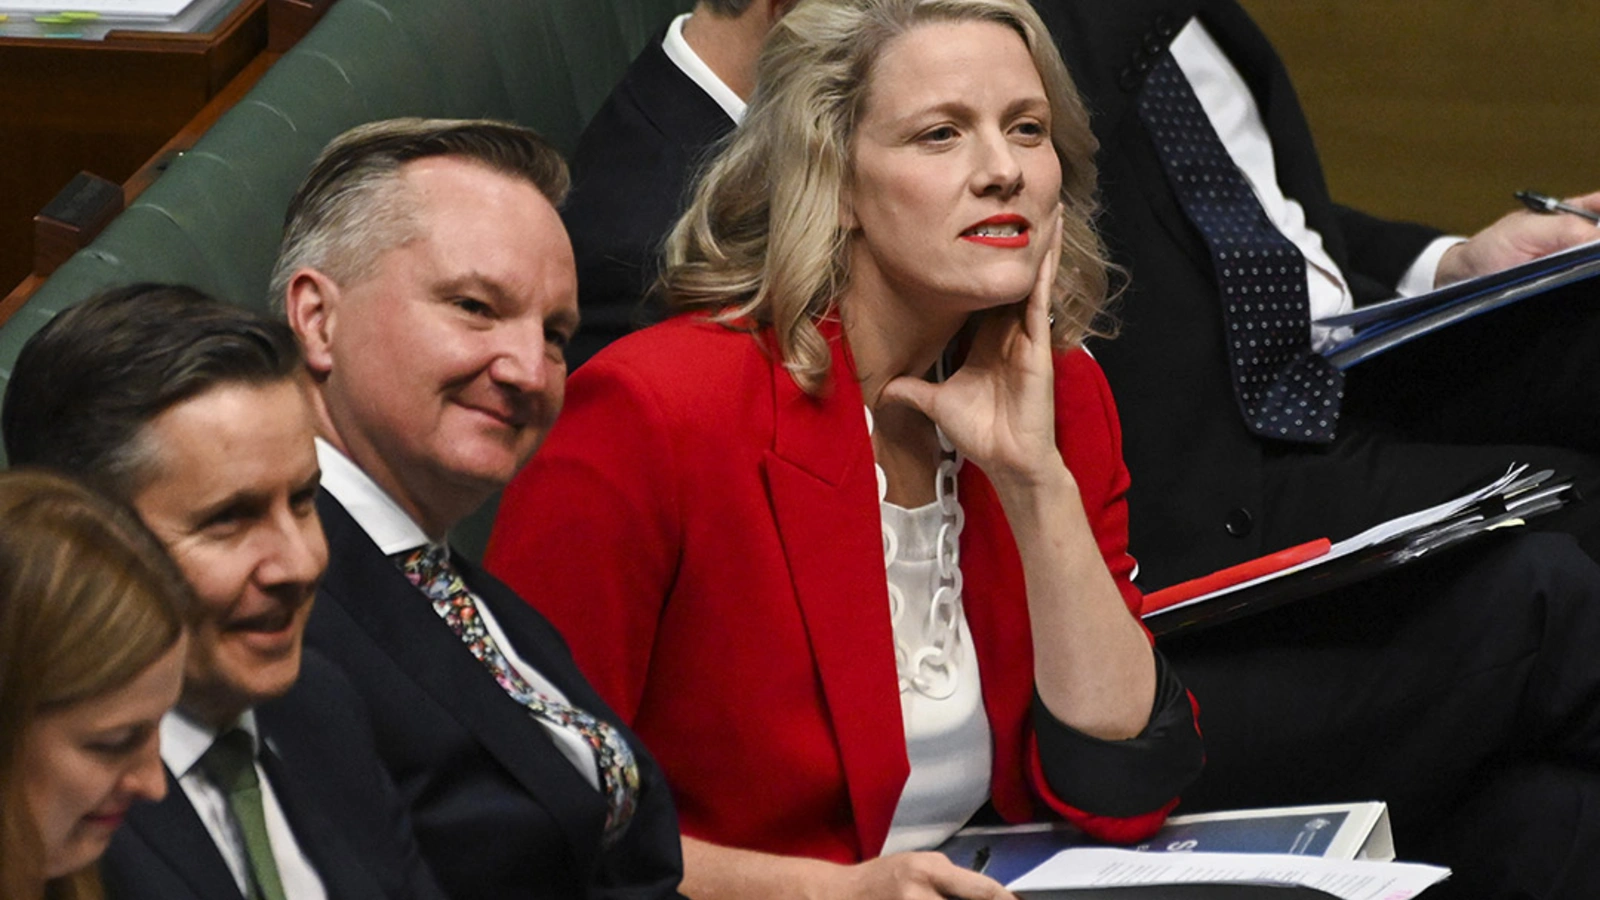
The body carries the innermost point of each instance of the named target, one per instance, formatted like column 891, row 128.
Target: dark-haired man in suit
column 431, row 284
column 1424, row 676
column 1208, row 490
column 637, row 157
column 195, row 412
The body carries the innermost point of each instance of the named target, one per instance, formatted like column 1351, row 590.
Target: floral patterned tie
column 429, row 568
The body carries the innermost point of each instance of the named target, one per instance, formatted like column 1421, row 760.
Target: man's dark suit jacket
column 631, row 176
column 324, row 769
column 1206, row 493
column 498, row 810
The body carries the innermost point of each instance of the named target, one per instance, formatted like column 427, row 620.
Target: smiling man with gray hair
column 431, row 285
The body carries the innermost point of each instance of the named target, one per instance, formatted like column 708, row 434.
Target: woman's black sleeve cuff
column 1124, row 778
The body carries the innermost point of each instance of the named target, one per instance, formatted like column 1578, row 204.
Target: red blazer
column 708, row 539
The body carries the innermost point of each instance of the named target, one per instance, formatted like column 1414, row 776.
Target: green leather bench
column 213, row 218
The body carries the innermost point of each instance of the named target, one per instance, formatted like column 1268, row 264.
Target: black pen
column 1539, row 203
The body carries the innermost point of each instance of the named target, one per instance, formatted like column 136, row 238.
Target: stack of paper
column 1335, row 831
column 1339, row 850
column 1507, row 502
column 114, row 10
column 1092, row 867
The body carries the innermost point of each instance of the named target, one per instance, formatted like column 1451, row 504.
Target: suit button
column 1154, row 45
column 1239, row 522
column 1166, row 25
column 1130, row 78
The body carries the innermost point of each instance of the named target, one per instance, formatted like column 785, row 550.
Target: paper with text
column 1085, row 867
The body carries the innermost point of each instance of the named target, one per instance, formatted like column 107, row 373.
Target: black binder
column 1525, row 496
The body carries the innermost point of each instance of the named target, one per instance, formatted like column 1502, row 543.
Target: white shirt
column 948, row 740
column 684, row 57
column 1237, row 120
column 396, row 532
column 183, row 742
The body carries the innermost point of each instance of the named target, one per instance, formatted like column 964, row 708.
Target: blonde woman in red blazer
column 704, row 524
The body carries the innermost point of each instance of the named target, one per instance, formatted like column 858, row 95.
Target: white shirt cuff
column 1420, row 277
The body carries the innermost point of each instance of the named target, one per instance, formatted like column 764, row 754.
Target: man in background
column 635, row 161
column 1351, row 691
column 1420, row 424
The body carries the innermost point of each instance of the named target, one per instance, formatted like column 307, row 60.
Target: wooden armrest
column 72, row 219
column 289, row 20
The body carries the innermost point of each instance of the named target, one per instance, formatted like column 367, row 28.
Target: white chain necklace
column 931, row 669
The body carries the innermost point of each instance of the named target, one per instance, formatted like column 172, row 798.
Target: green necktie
column 230, row 764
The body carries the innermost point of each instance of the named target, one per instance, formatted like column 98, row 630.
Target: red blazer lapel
column 823, row 490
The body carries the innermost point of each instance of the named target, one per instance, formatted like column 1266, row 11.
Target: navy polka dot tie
column 1285, row 391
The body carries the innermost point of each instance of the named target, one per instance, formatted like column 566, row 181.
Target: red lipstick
column 1007, row 230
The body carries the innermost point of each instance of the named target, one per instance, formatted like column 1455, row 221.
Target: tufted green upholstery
column 213, row 219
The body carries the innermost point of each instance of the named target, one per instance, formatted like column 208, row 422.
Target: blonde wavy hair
column 761, row 243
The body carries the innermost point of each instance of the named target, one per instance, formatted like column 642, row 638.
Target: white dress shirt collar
column 374, row 510
column 684, row 57
column 184, row 741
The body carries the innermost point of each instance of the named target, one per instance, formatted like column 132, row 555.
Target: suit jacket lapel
column 319, row 840
column 1108, row 48
column 1109, row 52
column 174, row 831
column 400, row 620
column 822, row 486
column 677, row 106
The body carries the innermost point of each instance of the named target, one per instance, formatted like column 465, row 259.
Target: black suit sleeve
column 1379, row 251
column 1124, row 778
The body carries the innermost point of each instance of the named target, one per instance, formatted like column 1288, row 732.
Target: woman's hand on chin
column 998, row 409
column 913, row 876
